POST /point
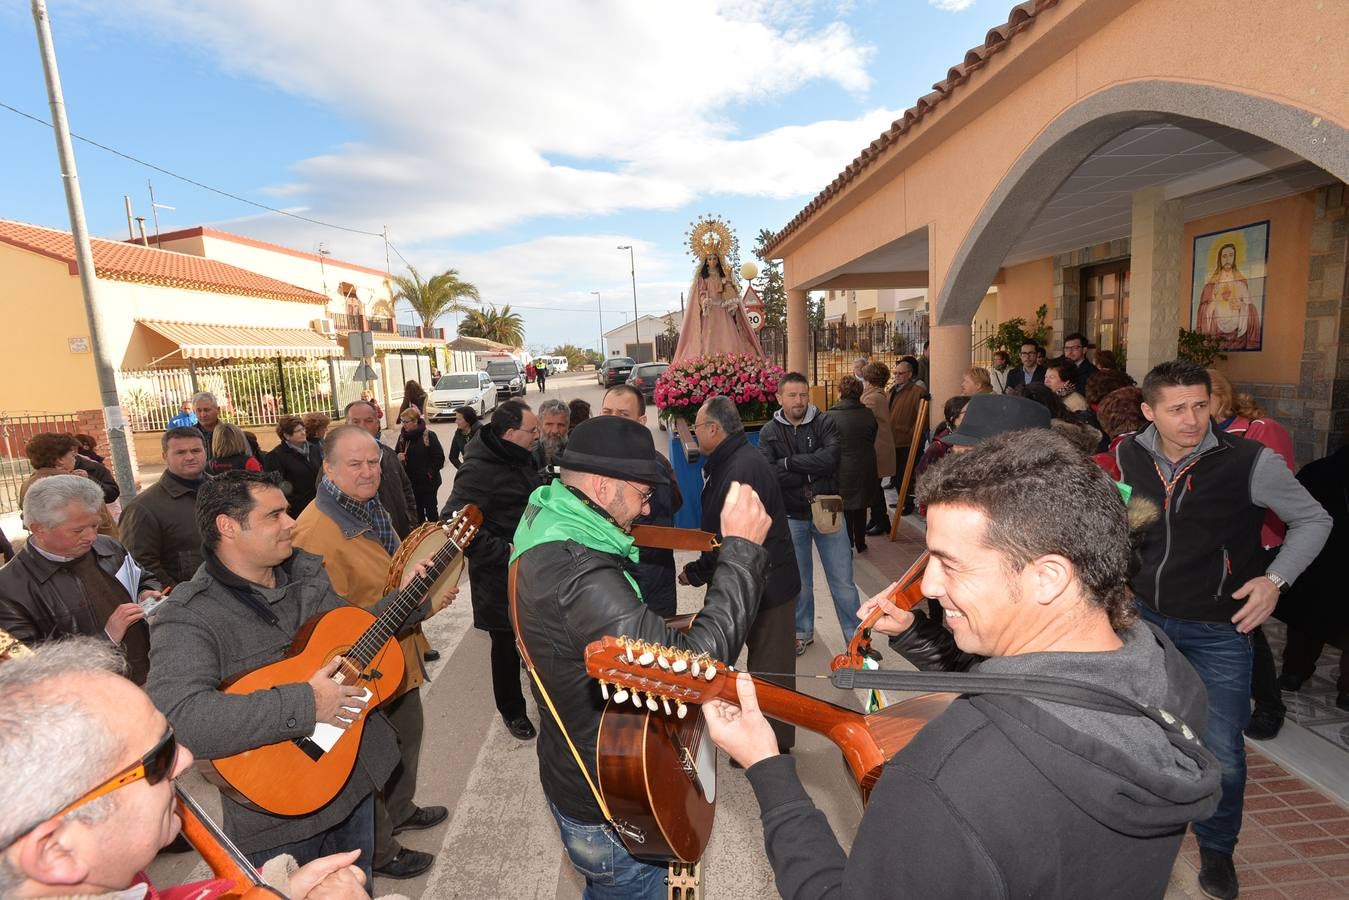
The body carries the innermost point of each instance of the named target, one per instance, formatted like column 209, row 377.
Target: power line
column 195, row 183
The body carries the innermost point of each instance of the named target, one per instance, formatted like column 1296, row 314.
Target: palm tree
column 504, row 327
column 441, row 294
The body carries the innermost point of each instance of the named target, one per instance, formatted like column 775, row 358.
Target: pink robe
column 713, row 323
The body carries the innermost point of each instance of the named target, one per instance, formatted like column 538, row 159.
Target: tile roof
column 1019, row 19
column 203, row 231
column 117, row 261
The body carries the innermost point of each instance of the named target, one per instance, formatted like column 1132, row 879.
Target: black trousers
column 857, row 527
column 510, row 699
column 1264, row 677
column 1302, row 652
column 541, row 380
column 772, row 648
column 427, row 509
column 394, row 805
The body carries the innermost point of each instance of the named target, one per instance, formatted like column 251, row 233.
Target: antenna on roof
column 154, row 209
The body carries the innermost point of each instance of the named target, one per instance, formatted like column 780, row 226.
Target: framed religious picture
column 1227, row 296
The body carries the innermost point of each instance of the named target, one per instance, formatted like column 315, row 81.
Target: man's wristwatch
column 1278, row 582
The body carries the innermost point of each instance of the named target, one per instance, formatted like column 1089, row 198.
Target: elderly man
column 84, row 807
column 208, row 417
column 731, row 459
column 554, row 419
column 655, row 565
column 395, row 488
column 159, row 525
column 573, row 552
column 348, row 528
column 497, row 476
column 1002, row 795
column 905, row 395
column 68, row 579
column 242, row 611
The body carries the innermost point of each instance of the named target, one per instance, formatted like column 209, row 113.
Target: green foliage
column 671, row 326
column 815, row 311
column 593, row 358
column 1195, row 346
column 770, row 284
column 431, row 299
column 1010, row 335
column 504, row 327
column 576, row 357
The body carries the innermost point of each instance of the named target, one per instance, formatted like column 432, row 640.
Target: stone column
column 798, row 332
column 1154, row 305
column 949, row 352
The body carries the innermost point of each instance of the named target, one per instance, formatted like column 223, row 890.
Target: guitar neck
column 410, row 597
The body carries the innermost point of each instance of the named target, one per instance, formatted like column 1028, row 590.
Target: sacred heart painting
column 1227, row 297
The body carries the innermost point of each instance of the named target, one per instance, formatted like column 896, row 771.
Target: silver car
column 472, row 389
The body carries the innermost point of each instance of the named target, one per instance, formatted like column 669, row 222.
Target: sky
column 517, row 141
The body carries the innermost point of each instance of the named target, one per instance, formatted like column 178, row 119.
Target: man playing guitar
column 572, row 587
column 1003, row 795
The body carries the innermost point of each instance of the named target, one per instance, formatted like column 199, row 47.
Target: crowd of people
column 1122, row 611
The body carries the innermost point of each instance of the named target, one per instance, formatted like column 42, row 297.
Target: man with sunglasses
column 241, row 611
column 84, row 805
column 574, row 585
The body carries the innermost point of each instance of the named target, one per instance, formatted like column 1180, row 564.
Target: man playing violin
column 1002, row 795
column 84, row 805
column 574, row 586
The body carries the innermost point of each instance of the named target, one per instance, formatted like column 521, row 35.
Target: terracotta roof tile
column 1021, row 17
column 116, row 261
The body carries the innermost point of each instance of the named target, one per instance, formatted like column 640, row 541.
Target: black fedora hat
column 987, row 415
column 613, row 446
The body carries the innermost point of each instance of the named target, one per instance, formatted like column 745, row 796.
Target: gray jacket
column 205, row 634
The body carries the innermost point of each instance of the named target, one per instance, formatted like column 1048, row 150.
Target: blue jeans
column 611, row 873
column 836, row 556
column 1222, row 657
column 355, row 832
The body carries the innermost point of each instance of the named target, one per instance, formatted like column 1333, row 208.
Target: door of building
column 1105, row 305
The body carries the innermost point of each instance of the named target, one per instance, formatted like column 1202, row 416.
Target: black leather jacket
column 930, row 647
column 569, row 595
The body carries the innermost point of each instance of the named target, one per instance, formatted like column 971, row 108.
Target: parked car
column 508, row 376
column 644, row 377
column 472, row 389
column 557, row 365
column 615, row 370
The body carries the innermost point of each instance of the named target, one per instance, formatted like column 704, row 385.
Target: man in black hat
column 988, row 415
column 573, row 585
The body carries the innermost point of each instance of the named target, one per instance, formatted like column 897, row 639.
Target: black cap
column 987, row 415
column 615, row 447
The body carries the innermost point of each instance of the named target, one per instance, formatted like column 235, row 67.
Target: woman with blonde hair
column 1238, row 414
column 976, row 380
column 230, row 451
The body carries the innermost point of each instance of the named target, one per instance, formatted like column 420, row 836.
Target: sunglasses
column 154, row 767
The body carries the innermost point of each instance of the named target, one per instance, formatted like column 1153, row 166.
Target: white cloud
column 952, row 5
column 479, row 116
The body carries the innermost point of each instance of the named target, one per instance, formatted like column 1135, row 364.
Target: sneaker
column 801, row 645
column 521, row 729
column 1265, row 724
column 1290, row 682
column 424, row 817
column 407, row 864
column 1217, row 874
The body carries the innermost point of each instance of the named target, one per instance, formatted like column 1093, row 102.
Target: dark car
column 507, row 375
column 643, row 377
column 615, row 370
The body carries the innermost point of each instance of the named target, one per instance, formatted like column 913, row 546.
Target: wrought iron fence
column 408, row 331
column 15, row 432
column 251, row 393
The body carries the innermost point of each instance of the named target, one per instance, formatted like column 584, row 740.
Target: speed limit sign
column 755, row 316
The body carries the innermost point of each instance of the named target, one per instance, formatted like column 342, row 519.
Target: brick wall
column 91, row 422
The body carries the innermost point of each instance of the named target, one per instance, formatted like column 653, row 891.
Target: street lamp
column 599, row 309
column 636, row 328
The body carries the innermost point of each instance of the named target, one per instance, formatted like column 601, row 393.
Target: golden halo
column 710, row 235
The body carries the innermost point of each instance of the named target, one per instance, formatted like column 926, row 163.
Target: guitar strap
column 552, row 710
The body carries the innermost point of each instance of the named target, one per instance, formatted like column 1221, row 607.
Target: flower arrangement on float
column 750, row 382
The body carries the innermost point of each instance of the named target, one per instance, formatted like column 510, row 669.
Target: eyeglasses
column 154, row 767
column 697, row 425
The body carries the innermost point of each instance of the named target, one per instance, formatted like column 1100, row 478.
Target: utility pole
column 599, row 309
column 113, row 419
column 636, row 327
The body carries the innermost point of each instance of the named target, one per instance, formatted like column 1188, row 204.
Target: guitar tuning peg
column 679, row 665
column 627, row 654
column 636, row 700
column 604, row 690
column 651, row 703
column 620, row 695
column 665, row 702
column 646, row 659
column 680, row 709
column 710, row 672
column 697, row 668
column 663, row 662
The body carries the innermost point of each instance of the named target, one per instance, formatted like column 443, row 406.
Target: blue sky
column 519, row 142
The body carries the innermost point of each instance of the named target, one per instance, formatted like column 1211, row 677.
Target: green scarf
column 555, row 513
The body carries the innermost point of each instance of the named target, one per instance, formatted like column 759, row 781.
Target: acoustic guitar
column 656, row 764
column 297, row 777
column 226, row 861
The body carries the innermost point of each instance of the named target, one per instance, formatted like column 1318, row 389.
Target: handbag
column 826, row 512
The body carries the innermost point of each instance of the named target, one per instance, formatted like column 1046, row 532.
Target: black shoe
column 1265, row 724
column 1217, row 875
column 861, row 548
column 431, row 655
column 521, row 729
column 409, row 864
column 876, row 529
column 908, row 509
column 424, row 817
column 1290, row 682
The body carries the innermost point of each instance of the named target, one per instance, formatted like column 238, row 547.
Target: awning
column 199, row 341
column 386, row 341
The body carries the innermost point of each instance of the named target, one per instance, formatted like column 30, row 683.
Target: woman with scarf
column 420, row 452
